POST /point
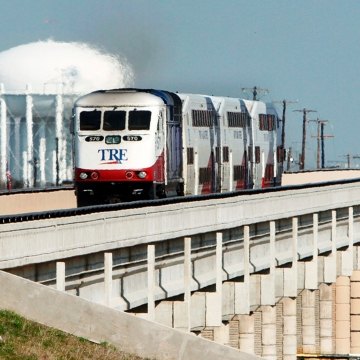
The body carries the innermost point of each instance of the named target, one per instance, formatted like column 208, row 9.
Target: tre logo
column 113, row 155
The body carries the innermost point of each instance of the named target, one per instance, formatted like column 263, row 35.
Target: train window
column 114, row 120
column 239, row 172
column 190, row 155
column 139, row 120
column 267, row 122
column 257, row 154
column 236, row 119
column 217, row 154
column 203, row 118
column 204, row 175
column 90, row 120
column 225, row 154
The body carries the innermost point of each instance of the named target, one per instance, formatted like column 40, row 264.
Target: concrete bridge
column 271, row 274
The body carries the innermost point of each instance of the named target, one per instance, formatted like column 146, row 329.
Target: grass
column 22, row 339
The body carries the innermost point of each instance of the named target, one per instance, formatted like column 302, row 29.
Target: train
column 133, row 143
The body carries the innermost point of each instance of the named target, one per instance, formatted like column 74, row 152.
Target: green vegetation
column 22, row 339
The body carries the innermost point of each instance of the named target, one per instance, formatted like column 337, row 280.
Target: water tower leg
column 30, row 139
column 3, row 142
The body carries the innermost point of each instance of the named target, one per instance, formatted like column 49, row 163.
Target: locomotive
column 145, row 143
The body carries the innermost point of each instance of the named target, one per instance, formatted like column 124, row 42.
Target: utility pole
column 284, row 103
column 349, row 157
column 289, row 155
column 302, row 156
column 356, row 157
column 320, row 142
column 255, row 90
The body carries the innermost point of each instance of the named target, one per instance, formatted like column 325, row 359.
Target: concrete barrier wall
column 60, row 238
column 100, row 323
column 13, row 203
column 315, row 176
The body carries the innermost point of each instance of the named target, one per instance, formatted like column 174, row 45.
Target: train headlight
column 83, row 176
column 94, row 175
column 142, row 174
column 129, row 175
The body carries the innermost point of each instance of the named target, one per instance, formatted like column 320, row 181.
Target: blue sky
column 305, row 50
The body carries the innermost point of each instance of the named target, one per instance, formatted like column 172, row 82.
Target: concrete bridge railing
column 256, row 272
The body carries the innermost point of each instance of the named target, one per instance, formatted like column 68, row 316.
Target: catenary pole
column 303, row 145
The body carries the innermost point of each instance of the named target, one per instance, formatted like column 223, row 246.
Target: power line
column 302, row 157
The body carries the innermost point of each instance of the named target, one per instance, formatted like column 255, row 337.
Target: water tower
column 38, row 85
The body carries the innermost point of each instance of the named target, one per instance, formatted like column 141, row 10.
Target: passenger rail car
column 145, row 144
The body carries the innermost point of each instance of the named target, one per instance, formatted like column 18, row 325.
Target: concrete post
column 290, row 274
column 151, row 281
column 268, row 281
column 242, row 289
column 228, row 300
column 346, row 257
column 214, row 300
column 355, row 313
column 187, row 279
column 289, row 340
column 164, row 313
column 198, row 311
column 268, row 332
column 60, row 276
column 326, row 313
column 234, row 332
column 247, row 333
column 108, row 264
column 180, row 316
column 356, row 257
column 309, row 321
column 342, row 315
column 219, row 264
column 330, row 260
column 311, row 267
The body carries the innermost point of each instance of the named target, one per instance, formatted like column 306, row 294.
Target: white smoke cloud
column 79, row 67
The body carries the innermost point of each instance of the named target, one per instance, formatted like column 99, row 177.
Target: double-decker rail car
column 145, row 144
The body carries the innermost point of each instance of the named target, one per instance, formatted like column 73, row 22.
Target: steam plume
column 79, row 67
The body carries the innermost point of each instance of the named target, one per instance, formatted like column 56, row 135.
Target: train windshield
column 90, row 120
column 114, row 120
column 139, row 120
